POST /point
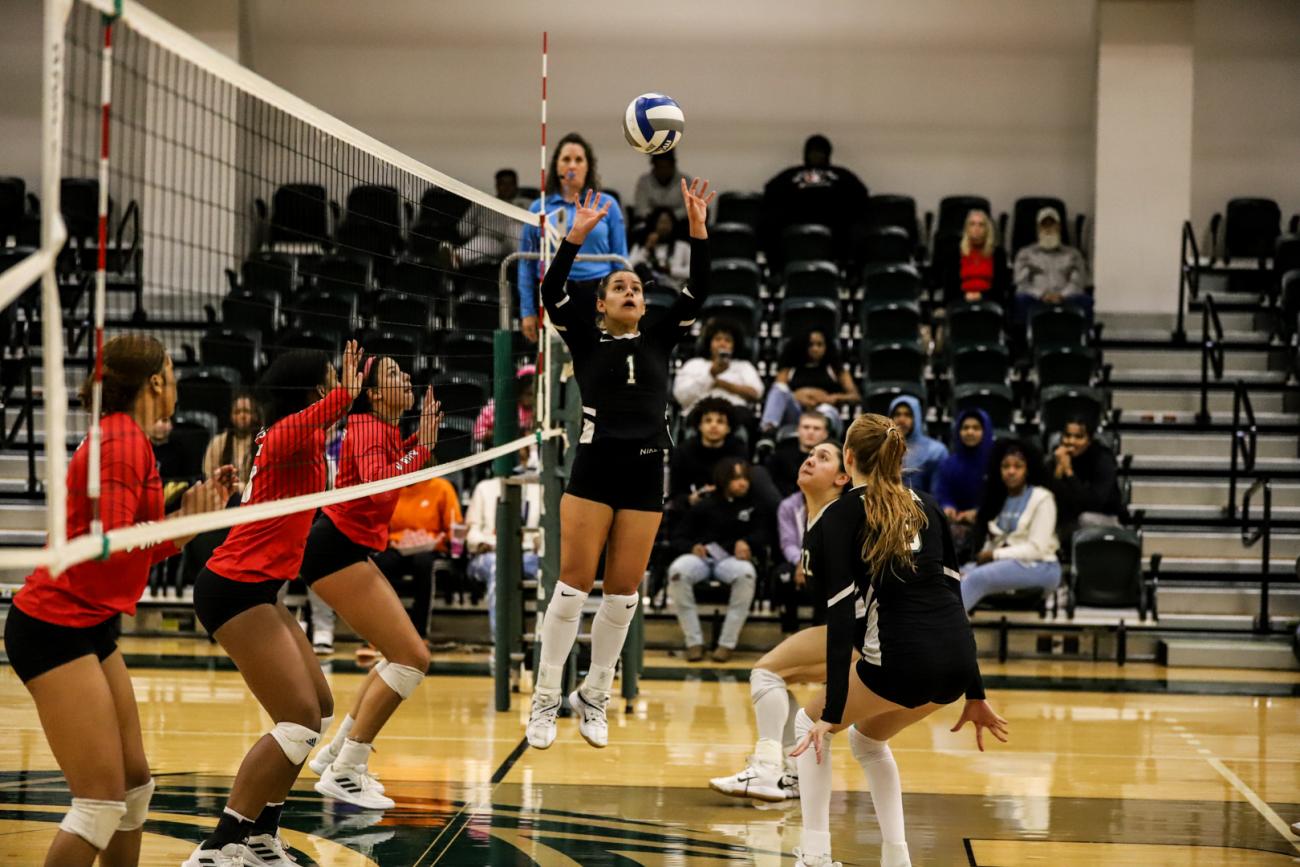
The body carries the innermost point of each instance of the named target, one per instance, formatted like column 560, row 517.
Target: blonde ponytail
column 893, row 516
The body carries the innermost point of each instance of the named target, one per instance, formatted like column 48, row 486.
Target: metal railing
column 1245, row 440
column 1211, row 354
column 1261, row 532
column 1189, row 278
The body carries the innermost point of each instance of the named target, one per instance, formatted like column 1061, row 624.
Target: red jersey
column 289, row 461
column 976, row 272
column 372, row 449
column 131, row 492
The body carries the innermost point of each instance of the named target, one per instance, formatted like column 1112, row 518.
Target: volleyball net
column 187, row 199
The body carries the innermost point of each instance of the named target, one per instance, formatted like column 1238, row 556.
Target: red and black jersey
column 289, row 460
column 131, row 492
column 373, row 449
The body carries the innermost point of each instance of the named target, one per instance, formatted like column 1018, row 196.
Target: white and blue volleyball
column 654, row 123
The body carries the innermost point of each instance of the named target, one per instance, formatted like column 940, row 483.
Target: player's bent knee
column 401, row 679
column 137, row 807
column 802, row 723
column 762, row 681
column 295, row 740
column 93, row 820
column 865, row 749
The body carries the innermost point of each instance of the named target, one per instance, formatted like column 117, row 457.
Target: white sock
column 608, row 633
column 814, row 791
column 345, row 728
column 559, row 631
column 878, row 763
column 354, row 753
column 767, row 692
column 788, row 740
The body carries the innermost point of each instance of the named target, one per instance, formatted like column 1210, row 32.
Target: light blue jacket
column 609, row 236
column 924, row 454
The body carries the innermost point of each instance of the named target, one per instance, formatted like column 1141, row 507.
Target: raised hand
column 430, row 420
column 982, row 714
column 591, row 210
column 697, row 198
column 352, row 374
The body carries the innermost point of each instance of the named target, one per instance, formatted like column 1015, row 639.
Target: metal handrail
column 1245, row 441
column 1189, row 278
column 1211, row 354
column 1262, row 532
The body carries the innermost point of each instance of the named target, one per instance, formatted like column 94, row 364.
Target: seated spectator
column 488, row 235
column 1015, row 531
column 526, row 401
column 661, row 187
column 979, row 272
column 661, row 257
column 481, row 540
column 171, row 462
column 719, row 538
column 924, row 454
column 690, row 467
column 418, row 534
column 809, row 375
column 790, row 454
column 719, row 371
column 814, row 192
column 234, row 445
column 959, row 482
column 1084, row 477
column 1049, row 272
column 822, row 479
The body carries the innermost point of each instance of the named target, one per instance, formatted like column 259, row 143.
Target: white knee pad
column 566, row 602
column 137, row 806
column 401, row 679
column 804, row 723
column 94, row 821
column 325, row 723
column 295, row 740
column 762, row 681
column 866, row 750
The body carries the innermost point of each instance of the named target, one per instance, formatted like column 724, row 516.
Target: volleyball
column 654, row 123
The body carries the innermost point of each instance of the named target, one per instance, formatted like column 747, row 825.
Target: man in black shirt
column 1084, row 477
column 690, row 470
column 814, row 192
column 790, row 454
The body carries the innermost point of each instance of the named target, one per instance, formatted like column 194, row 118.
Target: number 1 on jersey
column 631, row 370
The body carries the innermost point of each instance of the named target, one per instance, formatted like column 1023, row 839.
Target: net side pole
column 53, row 235
column 93, row 481
column 509, row 579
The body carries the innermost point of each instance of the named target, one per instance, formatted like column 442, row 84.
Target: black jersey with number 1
column 909, row 624
column 623, row 380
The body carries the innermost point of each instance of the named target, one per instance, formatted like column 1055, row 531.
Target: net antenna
column 234, row 221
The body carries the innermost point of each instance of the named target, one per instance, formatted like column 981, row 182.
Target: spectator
column 1050, row 272
column 809, row 375
column 419, row 533
column 1015, row 530
column 719, row 538
column 171, row 462
column 662, row 257
column 822, row 479
column 659, row 188
column 959, row 482
column 1084, row 478
column 572, row 170
column 814, row 192
column 720, row 370
column 924, row 454
column 481, row 540
column 790, row 454
column 690, row 469
column 526, row 399
column 490, row 236
column 234, row 445
column 980, row 272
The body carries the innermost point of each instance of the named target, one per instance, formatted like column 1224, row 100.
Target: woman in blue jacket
column 959, row 483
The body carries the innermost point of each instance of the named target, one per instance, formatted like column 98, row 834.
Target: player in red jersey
column 337, row 566
column 61, row 632
column 236, row 600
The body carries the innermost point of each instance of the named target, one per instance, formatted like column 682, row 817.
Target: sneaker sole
column 574, row 698
column 328, row 791
column 536, row 746
column 749, row 795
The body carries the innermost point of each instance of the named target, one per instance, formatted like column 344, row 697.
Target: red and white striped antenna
column 101, row 268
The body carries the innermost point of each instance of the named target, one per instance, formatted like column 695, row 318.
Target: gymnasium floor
column 1107, row 766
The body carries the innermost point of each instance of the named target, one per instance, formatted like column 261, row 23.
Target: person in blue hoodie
column 924, row 454
column 959, row 483
column 572, row 171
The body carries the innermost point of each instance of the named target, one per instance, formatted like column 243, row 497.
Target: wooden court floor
column 1106, row 766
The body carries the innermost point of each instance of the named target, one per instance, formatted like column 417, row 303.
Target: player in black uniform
column 614, row 497
column 888, row 553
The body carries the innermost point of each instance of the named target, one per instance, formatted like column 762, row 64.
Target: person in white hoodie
column 481, row 535
column 1018, row 526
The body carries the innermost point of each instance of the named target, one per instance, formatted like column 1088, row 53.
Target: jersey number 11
column 631, row 370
